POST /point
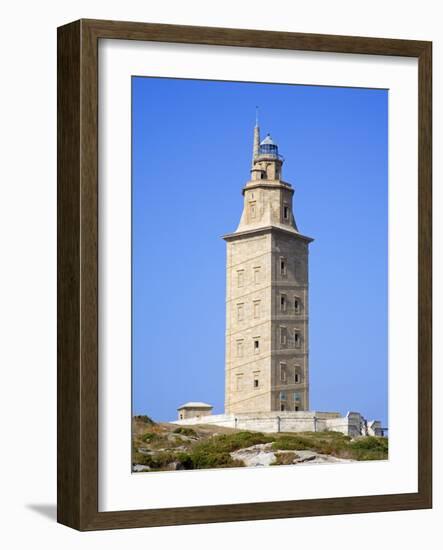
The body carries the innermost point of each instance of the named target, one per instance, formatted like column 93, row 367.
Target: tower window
column 256, row 379
column 240, row 277
column 282, row 407
column 239, row 348
column 283, row 372
column 256, row 345
column 283, row 335
column 283, row 266
column 296, row 397
column 297, row 338
column 296, row 305
column 282, row 396
column 283, row 302
column 256, row 309
column 297, row 374
column 256, row 275
column 296, row 408
column 240, row 312
column 252, row 210
column 285, row 212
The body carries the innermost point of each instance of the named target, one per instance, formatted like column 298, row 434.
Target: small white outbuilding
column 194, row 409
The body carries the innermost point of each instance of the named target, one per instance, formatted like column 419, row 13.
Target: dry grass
column 285, row 458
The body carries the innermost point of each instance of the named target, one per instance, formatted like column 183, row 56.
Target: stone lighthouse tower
column 267, row 295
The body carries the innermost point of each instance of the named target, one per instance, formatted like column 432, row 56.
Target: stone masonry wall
column 353, row 424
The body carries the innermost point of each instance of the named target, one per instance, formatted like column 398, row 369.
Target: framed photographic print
column 244, row 275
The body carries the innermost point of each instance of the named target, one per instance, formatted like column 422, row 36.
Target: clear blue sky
column 192, row 143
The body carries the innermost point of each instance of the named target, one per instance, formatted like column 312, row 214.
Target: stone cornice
column 268, row 184
column 266, row 229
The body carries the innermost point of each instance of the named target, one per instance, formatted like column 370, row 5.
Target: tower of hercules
column 267, row 320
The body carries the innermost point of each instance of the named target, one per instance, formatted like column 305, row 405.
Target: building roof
column 195, row 405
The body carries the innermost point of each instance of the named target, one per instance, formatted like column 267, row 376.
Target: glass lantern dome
column 268, row 148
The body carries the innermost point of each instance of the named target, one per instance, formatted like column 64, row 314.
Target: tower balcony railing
column 263, row 156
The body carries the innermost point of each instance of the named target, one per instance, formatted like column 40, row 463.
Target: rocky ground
column 265, row 455
column 164, row 446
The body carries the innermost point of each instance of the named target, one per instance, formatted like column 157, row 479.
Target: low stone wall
column 348, row 425
column 352, row 424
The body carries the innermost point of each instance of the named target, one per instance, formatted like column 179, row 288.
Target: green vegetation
column 291, row 443
column 159, row 441
column 214, row 452
column 370, row 448
column 199, row 459
column 335, row 444
column 189, row 432
column 138, row 457
column 227, row 443
column 158, row 461
column 144, row 418
column 168, row 447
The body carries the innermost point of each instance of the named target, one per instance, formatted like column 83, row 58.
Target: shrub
column 291, row 443
column 138, row 458
column 185, row 461
column 203, row 458
column 158, row 461
column 232, row 442
column 327, row 435
column 215, row 451
column 144, row 418
column 329, row 443
column 370, row 443
column 370, row 448
column 189, row 432
column 159, row 441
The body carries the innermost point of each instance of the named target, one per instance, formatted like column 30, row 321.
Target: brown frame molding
column 77, row 317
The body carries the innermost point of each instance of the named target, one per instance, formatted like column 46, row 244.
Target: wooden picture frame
column 78, row 274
